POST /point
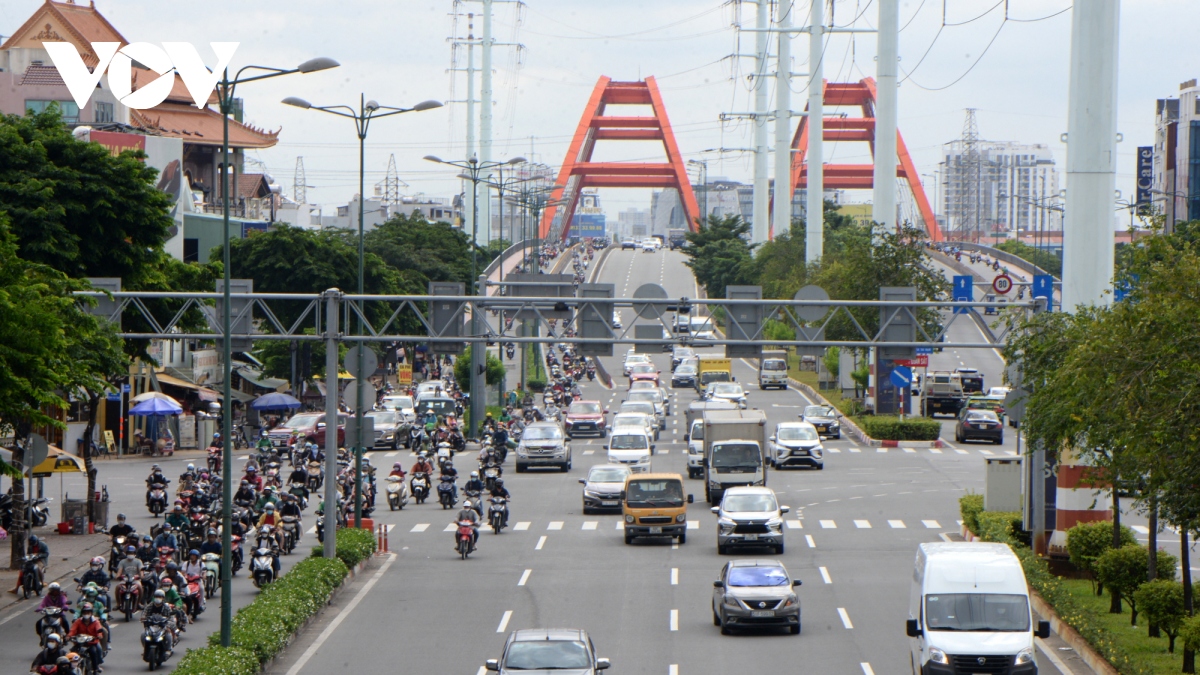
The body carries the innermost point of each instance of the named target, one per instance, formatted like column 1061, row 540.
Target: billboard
column 588, row 225
column 1145, row 173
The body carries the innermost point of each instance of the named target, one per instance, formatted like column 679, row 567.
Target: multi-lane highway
column 851, row 538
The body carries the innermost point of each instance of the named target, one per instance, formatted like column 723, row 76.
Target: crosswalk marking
column 523, row 525
column 881, row 449
column 909, row 450
column 854, row 449
column 390, row 454
column 862, row 524
column 590, row 524
column 935, row 451
column 986, row 452
column 420, row 527
column 555, row 525
column 795, row 525
column 589, row 452
column 693, row 524
column 897, row 524
column 1140, row 529
column 932, row 524
column 450, row 527
column 828, row 524
column 960, row 451
column 832, row 450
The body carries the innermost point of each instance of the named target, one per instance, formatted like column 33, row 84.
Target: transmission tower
column 969, row 217
column 299, row 193
column 391, row 184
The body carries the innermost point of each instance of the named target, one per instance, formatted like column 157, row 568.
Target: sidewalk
column 69, row 554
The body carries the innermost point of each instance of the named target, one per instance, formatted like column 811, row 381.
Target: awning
column 205, row 393
column 258, row 380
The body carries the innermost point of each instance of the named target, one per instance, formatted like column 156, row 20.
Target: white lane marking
column 853, row 449
column 960, row 451
column 555, row 525
column 673, row 669
column 832, row 450
column 524, row 577
column 897, row 524
column 985, row 452
column 675, row 546
column 589, row 452
column 1140, row 529
column 932, row 524
column 828, row 524
column 590, row 524
column 808, row 538
column 693, row 524
column 674, row 619
column 674, row 576
column 337, row 621
column 935, row 451
column 909, row 450
column 504, row 621
column 825, row 575
column 862, row 524
column 482, row 670
column 620, row 525
column 881, row 449
column 312, row 530
column 867, row 668
column 523, row 525
column 841, row 612
column 541, row 543
column 450, row 528
column 420, row 527
column 795, row 525
column 390, row 454
column 664, row 451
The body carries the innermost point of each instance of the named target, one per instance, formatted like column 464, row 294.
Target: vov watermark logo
column 172, row 58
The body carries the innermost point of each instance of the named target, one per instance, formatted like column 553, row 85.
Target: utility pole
column 485, row 117
column 814, row 219
column 883, row 210
column 299, row 184
column 782, row 216
column 759, row 214
column 1091, row 154
column 469, row 42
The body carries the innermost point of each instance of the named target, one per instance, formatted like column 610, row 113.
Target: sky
column 1006, row 59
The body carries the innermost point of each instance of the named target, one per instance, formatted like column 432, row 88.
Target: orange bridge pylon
column 579, row 171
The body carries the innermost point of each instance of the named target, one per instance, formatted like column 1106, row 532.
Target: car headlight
column 725, row 522
column 789, row 601
column 629, row 519
column 775, row 523
column 732, row 603
column 1024, row 656
column 681, row 518
column 591, row 493
column 938, row 656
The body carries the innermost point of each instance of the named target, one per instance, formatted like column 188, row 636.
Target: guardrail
column 1005, row 256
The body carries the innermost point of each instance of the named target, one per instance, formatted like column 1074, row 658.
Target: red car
column 308, row 425
column 586, row 417
column 642, row 372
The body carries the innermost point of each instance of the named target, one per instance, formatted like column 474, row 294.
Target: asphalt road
column 851, row 538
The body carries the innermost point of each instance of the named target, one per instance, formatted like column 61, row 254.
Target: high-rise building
column 1176, row 188
column 991, row 187
column 633, row 222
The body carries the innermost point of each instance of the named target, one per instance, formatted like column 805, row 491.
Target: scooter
column 262, row 566
column 214, row 460
column 497, row 513
column 420, row 487
column 157, row 503
column 490, row 474
column 52, row 621
column 193, row 601
column 117, row 552
column 31, row 576
column 315, row 477
column 473, row 496
column 464, row 537
column 157, row 641
column 79, row 644
column 397, row 493
column 129, row 596
column 39, row 511
column 212, row 573
column 291, row 533
column 446, row 492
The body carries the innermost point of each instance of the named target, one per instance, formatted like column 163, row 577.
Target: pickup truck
column 942, row 393
column 734, row 443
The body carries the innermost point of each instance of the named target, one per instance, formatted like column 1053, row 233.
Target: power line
column 908, row 75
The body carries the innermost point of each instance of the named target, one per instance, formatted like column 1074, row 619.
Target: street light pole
column 226, row 90
column 367, row 110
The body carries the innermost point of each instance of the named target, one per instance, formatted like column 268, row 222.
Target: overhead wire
column 590, row 35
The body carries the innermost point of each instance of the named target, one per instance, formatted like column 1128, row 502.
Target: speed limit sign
column 1002, row 284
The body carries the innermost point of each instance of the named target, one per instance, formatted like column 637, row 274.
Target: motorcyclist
column 176, row 578
column 269, row 517
column 189, row 474
column 290, row 507
column 166, row 538
column 122, row 528
column 175, row 602
column 299, row 475
column 422, row 465
column 449, row 470
column 129, row 567
column 146, row 551
column 397, row 470
column 96, row 574
column 467, row 513
column 50, row 653
column 267, row 497
column 473, row 483
column 211, row 544
column 253, row 478
column 216, row 440
column 55, row 597
column 177, row 518
column 498, row 489
column 88, row 624
column 41, row 551
column 91, row 594
column 158, row 606
column 192, row 567
column 245, row 494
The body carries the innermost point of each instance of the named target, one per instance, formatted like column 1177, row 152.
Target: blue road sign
column 924, row 350
column 125, row 388
column 964, row 290
column 1043, row 287
column 1123, row 288
column 902, row 377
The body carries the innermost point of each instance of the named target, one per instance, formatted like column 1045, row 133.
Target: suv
column 655, row 398
column 548, row 649
column 311, row 426
column 749, row 516
column 543, row 444
column 628, row 243
column 796, row 444
column 586, row 417
column 678, row 354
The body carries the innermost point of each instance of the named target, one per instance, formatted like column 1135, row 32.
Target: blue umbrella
column 275, row 401
column 156, row 406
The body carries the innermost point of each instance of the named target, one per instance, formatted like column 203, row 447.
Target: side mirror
column 703, row 461
column 691, row 499
column 912, row 628
column 606, row 411
column 583, row 481
column 622, row 497
column 782, row 509
column 796, row 582
column 718, row 584
column 772, row 439
column 687, row 438
column 492, row 664
column 603, row 664
column 1043, row 629
column 715, row 509
column 652, row 448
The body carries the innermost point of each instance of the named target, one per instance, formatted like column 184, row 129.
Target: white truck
column 734, row 443
column 772, row 369
column 693, row 433
column 969, row 611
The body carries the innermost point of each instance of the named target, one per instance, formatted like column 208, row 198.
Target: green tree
column 1123, row 570
column 437, row 251
column 719, row 254
column 1161, row 601
column 1086, row 542
column 462, row 368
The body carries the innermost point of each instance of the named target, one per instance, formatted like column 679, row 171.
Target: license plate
column 751, row 537
column 608, row 503
column 656, row 530
column 821, row 427
column 763, row 613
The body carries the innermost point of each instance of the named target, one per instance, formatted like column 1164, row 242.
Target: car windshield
column 638, row 407
column 647, row 395
column 985, row 403
column 818, row 411
column 661, row 492
column 440, row 406
column 757, row 502
column 608, row 474
column 383, row 417
column 736, row 456
column 757, row 576
column 629, row 442
column 977, row 612
column 774, row 364
column 547, row 655
column 684, row 352
column 982, row 416
column 401, row 402
column 636, row 358
column 697, row 431
column 302, row 422
column 727, row 389
column 630, row 419
column 641, row 368
column 583, row 408
column 541, row 433
column 796, row 434
column 714, row 376
column 685, row 370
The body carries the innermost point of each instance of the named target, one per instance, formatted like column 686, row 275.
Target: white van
column 969, row 612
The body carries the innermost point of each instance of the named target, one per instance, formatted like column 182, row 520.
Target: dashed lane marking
column 420, row 527
column 897, row 524
column 523, row 525
column 825, row 575
column 504, row 621
column 555, row 525
column 674, row 619
column 809, row 540
column 674, row 576
column 841, row 612
column 590, row 524
column 795, row 525
column 541, row 543
column 524, row 577
column 693, row 524
column 853, row 449
column 931, row 524
column 867, row 668
column 862, row 524
column 450, row 527
column 828, row 524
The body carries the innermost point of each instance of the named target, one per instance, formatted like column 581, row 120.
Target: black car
column 684, row 376
column 976, row 424
column 681, row 354
column 824, row 418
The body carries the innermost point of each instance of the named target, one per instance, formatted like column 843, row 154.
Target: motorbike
column 416, row 437
column 214, row 460
column 148, row 581
column 591, row 372
column 476, row 502
column 39, row 511
column 212, row 573
column 300, row 492
column 444, row 455
column 235, row 553
column 497, row 513
column 291, row 533
column 463, row 538
column 31, row 576
column 129, row 596
column 119, row 543
column 157, row 641
column 490, row 474
column 191, row 596
column 157, row 503
column 397, row 493
column 79, row 644
column 262, row 566
column 446, row 492
column 315, row 477
column 166, row 555
column 420, row 487
column 51, row 621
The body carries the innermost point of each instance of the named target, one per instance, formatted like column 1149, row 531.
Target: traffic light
column 446, row 317
column 744, row 321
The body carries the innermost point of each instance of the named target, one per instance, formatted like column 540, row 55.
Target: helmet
column 397, row 465
column 421, row 454
column 85, row 607
column 467, row 504
column 193, row 552
column 269, row 508
column 172, row 567
column 167, row 581
column 120, row 517
column 217, row 435
column 53, row 637
column 489, row 415
column 159, row 595
column 474, row 474
column 73, row 657
column 146, row 537
column 212, row 533
column 97, row 561
column 499, row 482
column 177, row 507
column 54, row 587
column 251, row 469
column 245, row 483
column 63, row 660
column 155, row 467
column 130, row 550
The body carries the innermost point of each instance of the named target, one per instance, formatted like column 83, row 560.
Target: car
column 975, row 424
column 628, row 243
column 678, row 354
column 644, row 385
column 655, row 398
column 543, row 650
column 440, row 405
column 640, row 421
column 993, row 403
column 645, row 408
column 585, row 417
column 431, row 388
column 684, row 376
column 704, row 336
column 971, row 379
column 616, row 321
column 999, row 391
column 648, row 247
column 309, row 426
column 543, row 444
column 755, row 592
column 602, row 487
column 388, row 424
column 824, row 419
column 632, row 359
column 796, row 444
column 643, row 371
column 630, row 447
column 749, row 516
column 402, row 404
column 726, row 391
